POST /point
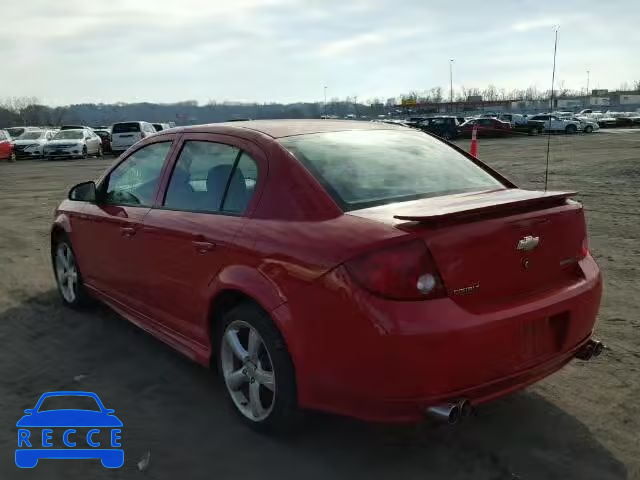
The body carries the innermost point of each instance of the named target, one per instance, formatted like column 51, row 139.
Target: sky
column 91, row 51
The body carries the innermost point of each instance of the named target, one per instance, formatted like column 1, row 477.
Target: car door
column 105, row 236
column 211, row 189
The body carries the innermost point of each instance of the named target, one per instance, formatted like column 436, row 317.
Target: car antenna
column 553, row 78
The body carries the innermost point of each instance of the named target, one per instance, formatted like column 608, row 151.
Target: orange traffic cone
column 474, row 142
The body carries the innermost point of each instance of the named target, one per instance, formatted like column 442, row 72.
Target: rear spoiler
column 509, row 200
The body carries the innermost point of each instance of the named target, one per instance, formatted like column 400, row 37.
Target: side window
column 204, row 173
column 242, row 185
column 2, row 137
column 134, row 181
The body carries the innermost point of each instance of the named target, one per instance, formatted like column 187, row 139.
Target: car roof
column 287, row 128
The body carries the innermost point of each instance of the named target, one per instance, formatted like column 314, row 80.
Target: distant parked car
column 78, row 143
column 588, row 125
column 75, row 127
column 6, row 147
column 31, row 144
column 513, row 118
column 15, row 132
column 125, row 134
column 105, row 136
column 554, row 123
column 161, row 126
column 442, row 126
column 486, row 127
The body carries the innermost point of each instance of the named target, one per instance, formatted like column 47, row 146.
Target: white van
column 125, row 134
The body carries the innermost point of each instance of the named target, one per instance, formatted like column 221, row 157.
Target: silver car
column 74, row 143
column 31, row 143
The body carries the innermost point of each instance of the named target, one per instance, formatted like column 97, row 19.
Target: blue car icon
column 33, row 446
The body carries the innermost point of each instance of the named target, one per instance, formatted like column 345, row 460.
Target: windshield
column 31, row 135
column 361, row 169
column 69, row 135
column 66, row 402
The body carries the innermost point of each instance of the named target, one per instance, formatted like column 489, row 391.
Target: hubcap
column 66, row 272
column 248, row 371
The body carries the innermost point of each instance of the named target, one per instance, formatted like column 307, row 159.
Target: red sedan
column 486, row 127
column 6, row 146
column 358, row 268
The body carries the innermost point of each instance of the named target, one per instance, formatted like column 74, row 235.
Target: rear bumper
column 383, row 360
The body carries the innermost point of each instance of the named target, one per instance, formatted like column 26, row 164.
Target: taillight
column 584, row 249
column 401, row 272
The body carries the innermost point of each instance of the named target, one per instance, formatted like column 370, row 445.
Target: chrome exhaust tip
column 598, row 348
column 591, row 349
column 449, row 413
column 465, row 408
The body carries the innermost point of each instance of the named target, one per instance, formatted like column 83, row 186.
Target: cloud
column 525, row 26
column 286, row 50
column 348, row 45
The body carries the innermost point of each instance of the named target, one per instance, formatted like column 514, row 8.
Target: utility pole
column 451, row 83
column 325, row 102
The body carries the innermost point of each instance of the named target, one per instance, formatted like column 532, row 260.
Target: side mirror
column 84, row 192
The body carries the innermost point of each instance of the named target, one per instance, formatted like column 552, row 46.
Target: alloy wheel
column 66, row 272
column 248, row 370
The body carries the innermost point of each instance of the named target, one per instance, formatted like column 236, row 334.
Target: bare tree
column 20, row 106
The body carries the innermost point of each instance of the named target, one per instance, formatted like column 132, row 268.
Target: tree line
column 30, row 110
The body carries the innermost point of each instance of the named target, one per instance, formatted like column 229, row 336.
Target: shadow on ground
column 176, row 410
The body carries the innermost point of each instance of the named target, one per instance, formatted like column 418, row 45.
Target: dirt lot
column 582, row 423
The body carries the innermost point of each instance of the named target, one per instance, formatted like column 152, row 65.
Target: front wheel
column 256, row 369
column 67, row 273
column 571, row 129
column 84, row 152
column 588, row 129
column 99, row 153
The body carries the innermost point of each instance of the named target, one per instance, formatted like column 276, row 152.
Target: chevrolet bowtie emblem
column 528, row 243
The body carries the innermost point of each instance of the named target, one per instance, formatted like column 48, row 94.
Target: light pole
column 588, row 72
column 325, row 102
column 451, row 83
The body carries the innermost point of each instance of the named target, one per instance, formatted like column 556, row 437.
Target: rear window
column 362, row 169
column 125, row 127
column 69, row 135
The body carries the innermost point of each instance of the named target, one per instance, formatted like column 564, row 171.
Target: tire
column 588, row 129
column 12, row 157
column 570, row 129
column 99, row 153
column 67, row 274
column 268, row 364
column 84, row 152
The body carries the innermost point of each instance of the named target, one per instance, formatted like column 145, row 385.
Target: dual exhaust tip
column 590, row 350
column 451, row 412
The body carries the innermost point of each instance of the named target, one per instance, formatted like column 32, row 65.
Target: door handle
column 127, row 231
column 204, row 247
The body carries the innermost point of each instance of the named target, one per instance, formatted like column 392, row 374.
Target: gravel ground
column 581, row 423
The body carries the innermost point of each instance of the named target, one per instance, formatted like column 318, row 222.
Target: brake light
column 584, row 249
column 401, row 272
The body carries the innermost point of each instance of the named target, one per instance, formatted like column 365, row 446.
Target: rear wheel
column 12, row 157
column 256, row 369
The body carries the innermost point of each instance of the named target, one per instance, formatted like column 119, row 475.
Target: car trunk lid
column 495, row 246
